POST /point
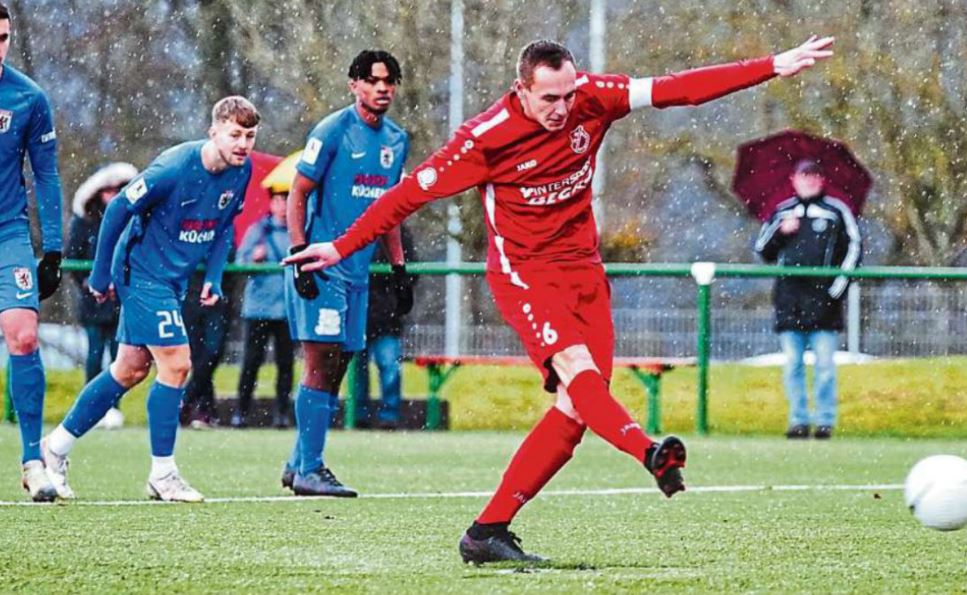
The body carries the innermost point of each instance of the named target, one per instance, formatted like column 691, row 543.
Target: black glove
column 403, row 287
column 48, row 274
column 305, row 284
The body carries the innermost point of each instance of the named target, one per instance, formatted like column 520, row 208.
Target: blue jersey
column 180, row 216
column 27, row 126
column 352, row 164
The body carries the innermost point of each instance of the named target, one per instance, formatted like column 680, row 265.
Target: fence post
column 853, row 329
column 8, row 412
column 704, row 274
column 349, row 412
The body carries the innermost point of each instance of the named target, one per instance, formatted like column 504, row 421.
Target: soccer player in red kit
column 532, row 157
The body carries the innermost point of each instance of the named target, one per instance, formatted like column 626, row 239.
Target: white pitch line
column 448, row 495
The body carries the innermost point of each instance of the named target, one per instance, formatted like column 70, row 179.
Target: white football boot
column 173, row 488
column 36, row 482
column 56, row 470
column 112, row 420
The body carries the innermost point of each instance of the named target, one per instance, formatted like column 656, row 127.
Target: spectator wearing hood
column 263, row 314
column 100, row 321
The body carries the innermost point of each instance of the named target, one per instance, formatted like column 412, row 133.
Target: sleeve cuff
column 639, row 92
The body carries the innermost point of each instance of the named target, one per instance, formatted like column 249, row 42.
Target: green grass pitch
column 807, row 539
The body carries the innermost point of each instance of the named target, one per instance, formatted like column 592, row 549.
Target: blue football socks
column 163, row 404
column 27, row 384
column 95, row 399
column 312, row 413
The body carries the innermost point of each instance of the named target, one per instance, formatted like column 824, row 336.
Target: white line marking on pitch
column 445, row 495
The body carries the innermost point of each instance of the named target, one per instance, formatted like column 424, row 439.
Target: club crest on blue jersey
column 225, row 199
column 6, row 118
column 386, row 157
column 23, row 278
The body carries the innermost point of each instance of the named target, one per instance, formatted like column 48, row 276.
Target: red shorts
column 553, row 309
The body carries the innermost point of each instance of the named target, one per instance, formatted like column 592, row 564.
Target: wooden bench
column 648, row 371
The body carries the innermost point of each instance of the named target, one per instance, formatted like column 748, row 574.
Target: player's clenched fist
column 313, row 257
column 102, row 296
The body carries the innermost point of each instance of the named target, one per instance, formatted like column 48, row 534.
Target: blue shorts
column 337, row 315
column 18, row 274
column 150, row 315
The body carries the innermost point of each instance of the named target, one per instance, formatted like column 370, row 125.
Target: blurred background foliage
column 128, row 79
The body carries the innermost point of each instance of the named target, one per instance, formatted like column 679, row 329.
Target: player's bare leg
column 592, row 400
column 325, row 366
column 164, row 400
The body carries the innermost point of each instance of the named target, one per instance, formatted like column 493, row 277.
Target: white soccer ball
column 936, row 492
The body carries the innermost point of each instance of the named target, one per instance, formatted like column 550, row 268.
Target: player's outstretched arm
column 457, row 166
column 701, row 85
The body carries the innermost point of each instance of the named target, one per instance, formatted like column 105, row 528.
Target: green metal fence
column 704, row 274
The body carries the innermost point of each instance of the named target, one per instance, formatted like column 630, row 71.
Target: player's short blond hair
column 238, row 109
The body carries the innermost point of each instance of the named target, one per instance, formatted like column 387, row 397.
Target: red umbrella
column 256, row 203
column 764, row 165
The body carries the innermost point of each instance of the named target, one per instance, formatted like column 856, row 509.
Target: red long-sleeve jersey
column 536, row 184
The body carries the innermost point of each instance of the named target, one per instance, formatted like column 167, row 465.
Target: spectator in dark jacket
column 810, row 229
column 100, row 321
column 390, row 299
column 207, row 328
column 263, row 313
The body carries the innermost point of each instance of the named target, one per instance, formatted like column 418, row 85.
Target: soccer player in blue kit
column 174, row 216
column 351, row 157
column 26, row 126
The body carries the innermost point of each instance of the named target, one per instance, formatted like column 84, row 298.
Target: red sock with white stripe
column 605, row 416
column 548, row 446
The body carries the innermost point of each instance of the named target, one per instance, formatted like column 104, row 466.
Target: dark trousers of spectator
column 99, row 338
column 207, row 329
column 256, row 339
column 386, row 353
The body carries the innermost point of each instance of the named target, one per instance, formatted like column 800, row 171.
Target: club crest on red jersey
column 426, row 177
column 6, row 118
column 580, row 140
column 23, row 278
column 225, row 198
column 386, row 157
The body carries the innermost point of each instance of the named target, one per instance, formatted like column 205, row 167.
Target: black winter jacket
column 382, row 317
column 827, row 236
column 81, row 245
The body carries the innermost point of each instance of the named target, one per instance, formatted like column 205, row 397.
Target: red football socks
column 605, row 416
column 548, row 446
